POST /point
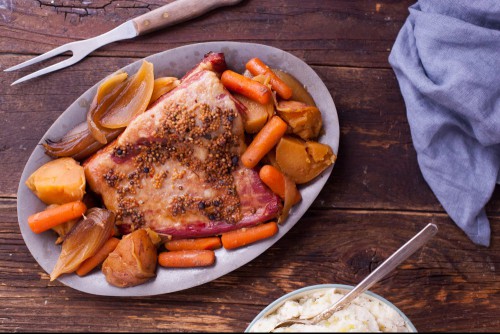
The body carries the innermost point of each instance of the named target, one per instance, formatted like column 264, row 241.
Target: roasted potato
column 302, row 161
column 58, row 181
column 256, row 115
column 133, row 261
column 304, row 120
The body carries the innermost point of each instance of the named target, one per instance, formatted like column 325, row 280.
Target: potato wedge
column 256, row 115
column 133, row 261
column 305, row 121
column 303, row 161
column 58, row 181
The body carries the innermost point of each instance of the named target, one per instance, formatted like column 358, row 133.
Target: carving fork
column 175, row 12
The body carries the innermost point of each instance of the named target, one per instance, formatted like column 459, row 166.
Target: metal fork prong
column 42, row 57
column 51, row 68
column 80, row 50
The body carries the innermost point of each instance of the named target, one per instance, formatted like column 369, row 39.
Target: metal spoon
column 387, row 266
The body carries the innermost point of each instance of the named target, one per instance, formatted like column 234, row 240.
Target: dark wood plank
column 376, row 166
column 375, row 200
column 352, row 33
column 449, row 285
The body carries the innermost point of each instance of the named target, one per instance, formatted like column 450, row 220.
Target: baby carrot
column 264, row 141
column 248, row 235
column 256, row 67
column 98, row 258
column 193, row 244
column 275, row 180
column 245, row 86
column 45, row 220
column 186, row 258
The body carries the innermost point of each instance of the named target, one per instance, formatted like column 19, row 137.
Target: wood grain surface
column 374, row 201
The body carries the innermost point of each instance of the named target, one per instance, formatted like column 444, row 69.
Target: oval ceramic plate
column 177, row 62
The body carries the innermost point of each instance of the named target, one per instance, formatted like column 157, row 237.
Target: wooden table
column 374, row 201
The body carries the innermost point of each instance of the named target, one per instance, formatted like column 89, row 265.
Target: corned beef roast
column 176, row 168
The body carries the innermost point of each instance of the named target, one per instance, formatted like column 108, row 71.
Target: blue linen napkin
column 447, row 61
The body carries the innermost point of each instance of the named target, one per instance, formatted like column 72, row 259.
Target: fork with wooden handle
column 175, row 12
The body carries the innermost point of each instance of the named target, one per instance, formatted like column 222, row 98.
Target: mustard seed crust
column 182, row 132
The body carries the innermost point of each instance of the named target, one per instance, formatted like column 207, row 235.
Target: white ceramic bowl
column 297, row 294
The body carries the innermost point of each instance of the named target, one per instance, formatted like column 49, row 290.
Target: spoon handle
column 387, row 266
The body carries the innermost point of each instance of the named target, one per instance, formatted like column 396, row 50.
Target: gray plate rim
column 175, row 62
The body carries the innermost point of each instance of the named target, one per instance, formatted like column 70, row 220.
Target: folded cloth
column 447, row 62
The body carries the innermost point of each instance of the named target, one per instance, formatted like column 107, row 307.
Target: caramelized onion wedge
column 106, row 93
column 162, row 86
column 289, row 199
column 131, row 101
column 84, row 240
column 78, row 143
column 264, row 79
column 63, row 229
column 110, row 84
column 299, row 93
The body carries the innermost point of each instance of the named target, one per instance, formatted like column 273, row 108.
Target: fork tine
column 80, row 49
column 46, row 55
column 49, row 69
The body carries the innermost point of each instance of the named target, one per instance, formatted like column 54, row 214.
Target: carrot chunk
column 256, row 67
column 245, row 86
column 264, row 141
column 186, row 258
column 53, row 216
column 248, row 235
column 275, row 180
column 193, row 244
column 92, row 262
